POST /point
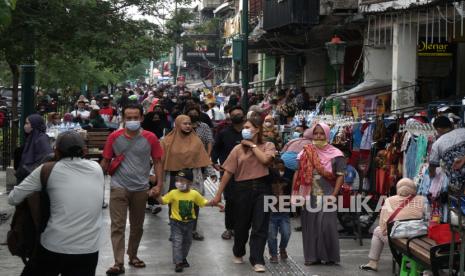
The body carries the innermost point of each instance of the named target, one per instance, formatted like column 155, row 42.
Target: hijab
column 328, row 152
column 297, row 145
column 37, row 145
column 406, row 187
column 315, row 158
column 183, row 151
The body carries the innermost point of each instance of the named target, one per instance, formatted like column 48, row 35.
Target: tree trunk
column 14, row 107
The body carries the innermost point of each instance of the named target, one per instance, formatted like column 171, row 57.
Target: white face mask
column 181, row 186
column 268, row 124
column 132, row 125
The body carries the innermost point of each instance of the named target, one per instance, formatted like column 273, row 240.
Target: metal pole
column 245, row 56
column 27, row 94
column 175, row 50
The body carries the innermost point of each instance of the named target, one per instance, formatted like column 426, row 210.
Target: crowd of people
column 164, row 146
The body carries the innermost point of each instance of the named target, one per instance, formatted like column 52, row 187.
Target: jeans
column 181, row 233
column 250, row 213
column 279, row 222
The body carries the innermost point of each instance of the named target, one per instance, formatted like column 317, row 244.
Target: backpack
column 30, row 219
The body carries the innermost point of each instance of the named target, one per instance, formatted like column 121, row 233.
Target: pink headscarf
column 328, row 152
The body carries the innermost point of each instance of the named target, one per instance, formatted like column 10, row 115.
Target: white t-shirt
column 75, row 188
column 84, row 114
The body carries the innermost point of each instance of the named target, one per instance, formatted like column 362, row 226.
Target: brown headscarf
column 183, row 151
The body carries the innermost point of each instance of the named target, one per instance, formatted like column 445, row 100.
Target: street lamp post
column 336, row 53
column 244, row 52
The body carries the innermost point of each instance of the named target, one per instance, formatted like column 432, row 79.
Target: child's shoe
column 274, row 259
column 283, row 254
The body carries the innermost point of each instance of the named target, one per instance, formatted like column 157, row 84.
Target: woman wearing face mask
column 156, row 122
column 271, row 133
column 36, row 147
column 248, row 163
column 183, row 149
column 321, row 174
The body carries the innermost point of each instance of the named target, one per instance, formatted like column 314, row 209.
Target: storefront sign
column 200, row 51
column 426, row 49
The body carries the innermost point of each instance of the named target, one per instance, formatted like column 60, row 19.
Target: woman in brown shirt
column 248, row 163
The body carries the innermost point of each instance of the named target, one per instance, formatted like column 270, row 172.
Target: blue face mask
column 247, row 134
column 295, row 135
column 132, row 125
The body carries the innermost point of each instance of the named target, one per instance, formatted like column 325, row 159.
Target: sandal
column 367, row 268
column 226, row 235
column 115, row 270
column 137, row 263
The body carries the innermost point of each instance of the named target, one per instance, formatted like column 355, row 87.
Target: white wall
column 377, row 63
column 404, row 67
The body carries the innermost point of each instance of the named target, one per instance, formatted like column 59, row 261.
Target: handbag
column 116, row 162
column 441, row 233
column 409, row 229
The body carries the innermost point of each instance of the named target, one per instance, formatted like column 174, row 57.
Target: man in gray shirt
column 130, row 183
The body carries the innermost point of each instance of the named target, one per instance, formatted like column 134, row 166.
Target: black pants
column 229, row 205
column 250, row 213
column 49, row 263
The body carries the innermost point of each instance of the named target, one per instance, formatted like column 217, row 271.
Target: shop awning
column 222, row 7
column 366, row 88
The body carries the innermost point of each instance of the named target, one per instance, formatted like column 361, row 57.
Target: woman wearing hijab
column 270, row 132
column 321, row 174
column 36, row 147
column 183, row 149
column 156, row 122
column 413, row 210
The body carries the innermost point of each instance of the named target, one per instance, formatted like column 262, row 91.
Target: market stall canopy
column 366, row 88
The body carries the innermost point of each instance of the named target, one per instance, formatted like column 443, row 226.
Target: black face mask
column 237, row 119
column 194, row 119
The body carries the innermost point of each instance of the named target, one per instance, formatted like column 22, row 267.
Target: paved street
column 209, row 257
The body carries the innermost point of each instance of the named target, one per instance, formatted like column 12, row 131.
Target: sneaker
column 283, row 254
column 196, row 236
column 274, row 259
column 178, row 268
column 185, row 263
column 238, row 260
column 259, row 268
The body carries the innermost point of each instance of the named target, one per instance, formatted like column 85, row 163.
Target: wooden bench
column 423, row 250
column 96, row 139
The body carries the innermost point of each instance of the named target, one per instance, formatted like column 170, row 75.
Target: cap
column 70, row 143
column 186, row 173
column 105, row 98
column 443, row 108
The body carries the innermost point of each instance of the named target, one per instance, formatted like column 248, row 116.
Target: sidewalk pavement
column 213, row 256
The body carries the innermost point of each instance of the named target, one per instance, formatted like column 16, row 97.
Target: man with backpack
column 69, row 243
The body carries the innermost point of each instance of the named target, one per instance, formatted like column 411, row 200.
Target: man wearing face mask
column 225, row 141
column 107, row 111
column 129, row 183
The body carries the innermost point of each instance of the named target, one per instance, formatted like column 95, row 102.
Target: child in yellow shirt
column 182, row 200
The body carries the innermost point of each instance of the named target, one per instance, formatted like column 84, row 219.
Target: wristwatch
column 253, row 146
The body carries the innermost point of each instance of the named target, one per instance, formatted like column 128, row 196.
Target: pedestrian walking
column 321, row 173
column 184, row 149
column 130, row 183
column 248, row 163
column 183, row 215
column 225, row 142
column 69, row 244
column 36, row 147
column 280, row 220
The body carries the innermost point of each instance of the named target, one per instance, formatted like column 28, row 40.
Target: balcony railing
column 282, row 13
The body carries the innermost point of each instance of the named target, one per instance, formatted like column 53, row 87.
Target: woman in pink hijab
column 321, row 173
